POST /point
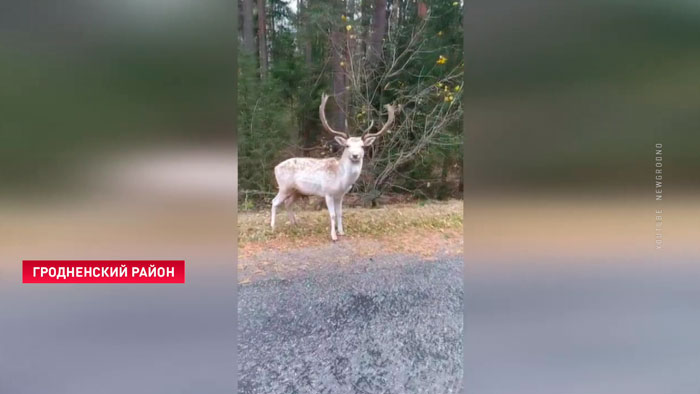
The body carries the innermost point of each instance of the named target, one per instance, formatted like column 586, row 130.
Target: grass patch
column 254, row 227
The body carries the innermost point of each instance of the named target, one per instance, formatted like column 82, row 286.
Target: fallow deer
column 329, row 178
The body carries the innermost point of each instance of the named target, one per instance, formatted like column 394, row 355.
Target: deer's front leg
column 330, row 203
column 339, row 214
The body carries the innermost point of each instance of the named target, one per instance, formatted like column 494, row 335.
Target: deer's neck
column 349, row 169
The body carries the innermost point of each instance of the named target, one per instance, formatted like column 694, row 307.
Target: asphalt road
column 613, row 327
column 389, row 326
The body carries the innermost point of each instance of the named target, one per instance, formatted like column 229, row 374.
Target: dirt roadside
column 262, row 262
column 429, row 231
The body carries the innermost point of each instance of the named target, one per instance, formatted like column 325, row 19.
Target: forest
column 364, row 54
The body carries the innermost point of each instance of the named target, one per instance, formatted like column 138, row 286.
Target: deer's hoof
column 341, row 233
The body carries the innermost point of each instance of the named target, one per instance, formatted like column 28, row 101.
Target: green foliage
column 59, row 107
column 263, row 127
column 421, row 70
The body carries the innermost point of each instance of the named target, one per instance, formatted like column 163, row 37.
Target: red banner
column 103, row 271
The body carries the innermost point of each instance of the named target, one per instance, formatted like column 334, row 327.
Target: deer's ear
column 369, row 141
column 342, row 141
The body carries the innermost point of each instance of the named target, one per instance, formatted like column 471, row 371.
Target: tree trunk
column 308, row 54
column 338, row 67
column 422, row 10
column 262, row 41
column 351, row 9
column 378, row 30
column 248, row 37
column 395, row 13
column 300, row 6
column 443, row 188
column 365, row 19
column 307, row 125
column 338, row 39
column 308, row 46
column 271, row 28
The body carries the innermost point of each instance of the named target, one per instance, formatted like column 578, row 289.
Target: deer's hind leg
column 289, row 207
column 276, row 202
column 330, row 203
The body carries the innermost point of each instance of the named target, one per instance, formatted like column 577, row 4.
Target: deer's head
column 354, row 146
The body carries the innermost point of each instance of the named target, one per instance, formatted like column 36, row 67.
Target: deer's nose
column 355, row 157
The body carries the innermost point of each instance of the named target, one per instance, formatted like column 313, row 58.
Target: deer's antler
column 371, row 124
column 387, row 125
column 322, row 115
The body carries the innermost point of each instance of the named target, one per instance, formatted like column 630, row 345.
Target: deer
column 329, row 178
